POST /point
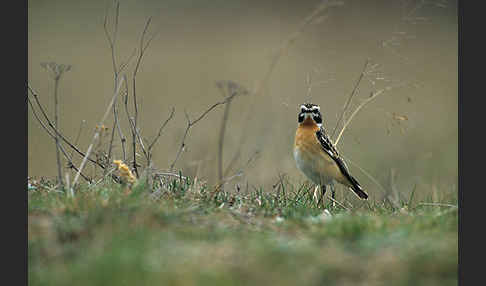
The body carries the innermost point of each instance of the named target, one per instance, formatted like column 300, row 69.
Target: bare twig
column 97, row 134
column 116, row 71
column 365, row 173
column 391, row 194
column 337, row 202
column 353, row 93
column 56, row 123
column 232, row 163
column 81, row 125
column 160, row 131
column 120, row 133
column 233, row 89
column 170, row 175
column 56, row 71
column 39, row 105
column 438, row 204
column 372, row 96
column 221, row 140
column 240, row 173
column 111, row 40
column 192, row 123
column 68, row 158
column 143, row 47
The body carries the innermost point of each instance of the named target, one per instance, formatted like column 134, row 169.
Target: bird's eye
column 301, row 117
column 317, row 118
column 316, row 111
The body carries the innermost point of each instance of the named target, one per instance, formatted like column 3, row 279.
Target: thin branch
column 120, row 133
column 353, row 94
column 97, row 134
column 336, row 201
column 35, row 95
column 221, row 139
column 116, row 71
column 240, row 173
column 170, row 175
column 68, row 158
column 143, row 47
column 372, row 96
column 112, row 41
column 232, row 163
column 56, row 123
column 160, row 130
column 192, row 123
column 437, row 204
column 79, row 135
column 365, row 173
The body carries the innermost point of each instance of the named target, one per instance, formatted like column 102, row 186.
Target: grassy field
column 182, row 235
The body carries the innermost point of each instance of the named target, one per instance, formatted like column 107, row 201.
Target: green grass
column 183, row 236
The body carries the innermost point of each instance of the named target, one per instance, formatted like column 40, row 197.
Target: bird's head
column 310, row 114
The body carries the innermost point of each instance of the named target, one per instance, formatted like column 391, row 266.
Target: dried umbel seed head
column 55, row 69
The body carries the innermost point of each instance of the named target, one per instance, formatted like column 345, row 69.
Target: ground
column 186, row 234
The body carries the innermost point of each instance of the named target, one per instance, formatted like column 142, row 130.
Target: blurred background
column 411, row 45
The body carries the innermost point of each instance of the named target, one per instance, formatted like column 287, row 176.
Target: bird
column 317, row 157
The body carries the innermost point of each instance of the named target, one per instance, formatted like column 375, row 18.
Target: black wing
column 329, row 148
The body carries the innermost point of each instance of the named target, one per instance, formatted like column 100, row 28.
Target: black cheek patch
column 301, row 117
column 318, row 119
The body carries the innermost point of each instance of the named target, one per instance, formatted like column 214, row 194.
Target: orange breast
column 305, row 136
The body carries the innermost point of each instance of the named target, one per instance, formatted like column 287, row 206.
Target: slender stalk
column 69, row 158
column 221, row 140
column 97, row 134
column 362, row 104
column 56, row 123
column 353, row 94
column 39, row 105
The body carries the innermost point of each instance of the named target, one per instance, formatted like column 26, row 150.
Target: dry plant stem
column 116, row 72
column 337, row 202
column 170, row 175
column 353, row 94
column 231, row 165
column 68, row 158
column 221, row 140
column 56, row 123
column 97, row 135
column 120, row 133
column 39, row 105
column 112, row 40
column 139, row 137
column 366, row 174
column 160, row 133
column 360, row 106
column 81, row 125
column 437, row 204
column 192, row 123
column 143, row 47
column 238, row 174
column 280, row 52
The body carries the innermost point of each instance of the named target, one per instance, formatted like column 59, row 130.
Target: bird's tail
column 357, row 189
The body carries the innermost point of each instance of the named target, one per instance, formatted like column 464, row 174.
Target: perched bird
column 316, row 155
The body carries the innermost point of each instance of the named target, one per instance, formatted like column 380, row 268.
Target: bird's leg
column 333, row 195
column 314, row 194
column 323, row 189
